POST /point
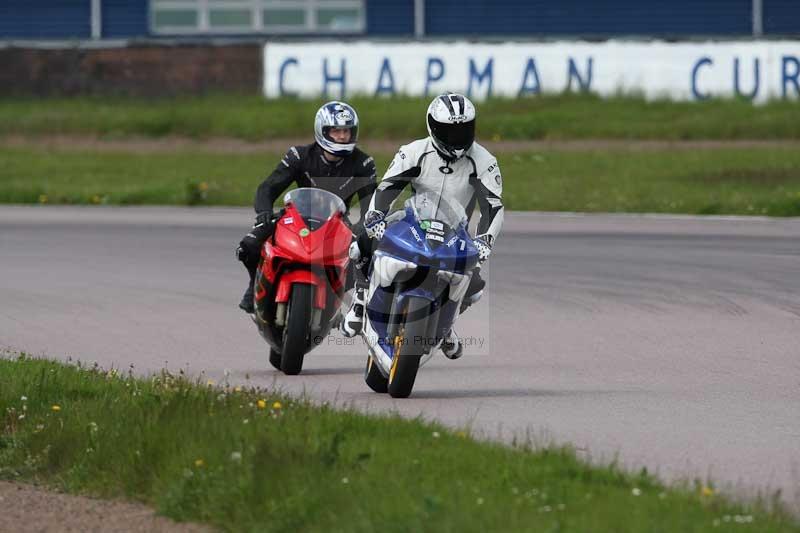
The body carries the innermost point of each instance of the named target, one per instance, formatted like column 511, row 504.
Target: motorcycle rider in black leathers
column 332, row 163
column 450, row 166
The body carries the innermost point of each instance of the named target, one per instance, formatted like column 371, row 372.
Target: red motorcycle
column 301, row 276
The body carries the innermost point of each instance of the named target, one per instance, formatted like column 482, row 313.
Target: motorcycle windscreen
column 430, row 206
column 315, row 205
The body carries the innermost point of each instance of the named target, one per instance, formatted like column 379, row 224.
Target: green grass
column 546, row 117
column 213, row 454
column 760, row 181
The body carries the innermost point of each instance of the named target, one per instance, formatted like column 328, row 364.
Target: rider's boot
column 353, row 320
column 451, row 346
column 247, row 304
column 474, row 290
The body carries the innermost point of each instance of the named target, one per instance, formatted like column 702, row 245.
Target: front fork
column 280, row 316
column 397, row 315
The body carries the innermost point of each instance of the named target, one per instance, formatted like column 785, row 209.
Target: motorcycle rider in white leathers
column 452, row 166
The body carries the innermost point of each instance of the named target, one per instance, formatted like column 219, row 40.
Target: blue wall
column 45, row 19
column 582, row 17
column 125, row 18
column 782, row 17
column 70, row 19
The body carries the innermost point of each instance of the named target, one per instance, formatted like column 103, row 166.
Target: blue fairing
column 408, row 240
column 458, row 254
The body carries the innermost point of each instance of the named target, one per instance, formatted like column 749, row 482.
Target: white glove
column 483, row 244
column 375, row 224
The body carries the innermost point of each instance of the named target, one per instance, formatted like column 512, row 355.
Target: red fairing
column 300, row 255
column 328, row 245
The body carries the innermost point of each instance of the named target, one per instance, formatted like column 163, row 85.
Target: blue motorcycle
column 419, row 275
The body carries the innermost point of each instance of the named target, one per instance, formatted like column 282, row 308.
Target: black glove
column 265, row 217
column 249, row 249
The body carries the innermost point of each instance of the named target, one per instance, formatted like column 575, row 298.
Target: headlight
column 387, row 268
column 458, row 283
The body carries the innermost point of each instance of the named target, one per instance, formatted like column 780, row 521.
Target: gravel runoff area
column 27, row 508
column 228, row 145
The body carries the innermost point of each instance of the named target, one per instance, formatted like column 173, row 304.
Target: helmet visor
column 454, row 136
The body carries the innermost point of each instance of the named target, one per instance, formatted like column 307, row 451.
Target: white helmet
column 451, row 124
column 336, row 115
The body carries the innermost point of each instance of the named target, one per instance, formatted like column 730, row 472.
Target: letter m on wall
column 478, row 77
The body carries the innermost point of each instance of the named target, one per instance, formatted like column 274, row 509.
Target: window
column 257, row 16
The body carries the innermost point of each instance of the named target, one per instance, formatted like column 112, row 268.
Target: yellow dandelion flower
column 707, row 491
column 261, row 404
column 210, row 382
column 237, row 389
column 56, row 408
column 277, row 405
column 42, row 198
column 199, row 463
column 203, row 186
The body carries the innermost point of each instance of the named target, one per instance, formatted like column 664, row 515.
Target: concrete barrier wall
column 757, row 70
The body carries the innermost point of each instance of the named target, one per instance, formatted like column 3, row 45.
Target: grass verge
column 754, row 181
column 544, row 117
column 251, row 460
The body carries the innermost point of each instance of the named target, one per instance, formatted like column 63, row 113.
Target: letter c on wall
column 281, row 73
column 700, row 62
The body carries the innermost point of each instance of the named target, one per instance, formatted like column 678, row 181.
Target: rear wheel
column 373, row 377
column 275, row 358
column 298, row 328
column 409, row 347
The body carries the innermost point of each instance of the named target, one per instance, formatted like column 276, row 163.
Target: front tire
column 409, row 347
column 373, row 377
column 297, row 329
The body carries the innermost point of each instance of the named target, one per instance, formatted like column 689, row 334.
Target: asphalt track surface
column 668, row 342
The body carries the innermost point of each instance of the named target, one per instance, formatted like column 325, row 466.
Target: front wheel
column 409, row 347
column 373, row 377
column 297, row 329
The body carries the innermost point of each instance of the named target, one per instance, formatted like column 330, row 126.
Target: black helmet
column 451, row 124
